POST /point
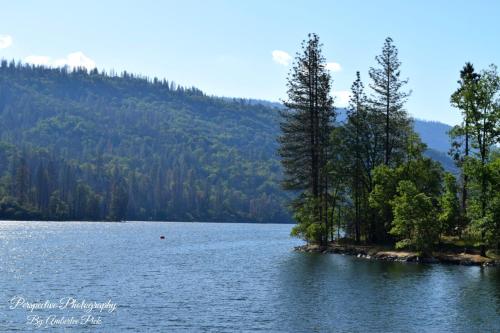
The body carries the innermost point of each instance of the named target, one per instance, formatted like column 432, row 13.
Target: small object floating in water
column 162, row 237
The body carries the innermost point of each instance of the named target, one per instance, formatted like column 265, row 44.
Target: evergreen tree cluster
column 378, row 186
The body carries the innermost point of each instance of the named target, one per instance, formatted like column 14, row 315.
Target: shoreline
column 153, row 221
column 378, row 253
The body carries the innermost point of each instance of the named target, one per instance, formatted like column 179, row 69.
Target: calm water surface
column 228, row 278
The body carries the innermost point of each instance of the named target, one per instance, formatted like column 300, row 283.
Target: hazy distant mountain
column 434, row 134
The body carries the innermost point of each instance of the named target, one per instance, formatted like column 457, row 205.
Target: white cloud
column 76, row 59
column 342, row 97
column 72, row 60
column 333, row 66
column 5, row 41
column 281, row 57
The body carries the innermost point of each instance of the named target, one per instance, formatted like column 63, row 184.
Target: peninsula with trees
column 364, row 186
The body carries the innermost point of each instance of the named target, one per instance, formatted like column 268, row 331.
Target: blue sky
column 226, row 47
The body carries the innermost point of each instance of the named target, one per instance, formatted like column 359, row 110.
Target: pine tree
column 464, row 98
column 355, row 140
column 389, row 98
column 306, row 125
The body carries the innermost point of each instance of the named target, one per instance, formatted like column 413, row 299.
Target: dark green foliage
column 414, row 218
column 449, row 216
column 359, row 151
column 307, row 122
column 89, row 146
column 474, row 147
column 464, row 98
column 119, row 198
column 10, row 209
column 307, row 222
column 491, row 226
column 423, row 173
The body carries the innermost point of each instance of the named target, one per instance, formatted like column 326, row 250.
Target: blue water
column 227, row 278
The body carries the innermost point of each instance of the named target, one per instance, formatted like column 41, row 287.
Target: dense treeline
column 373, row 182
column 476, row 152
column 87, row 145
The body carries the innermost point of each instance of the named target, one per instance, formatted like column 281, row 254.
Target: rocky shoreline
column 377, row 253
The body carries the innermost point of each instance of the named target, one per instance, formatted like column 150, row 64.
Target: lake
column 208, row 277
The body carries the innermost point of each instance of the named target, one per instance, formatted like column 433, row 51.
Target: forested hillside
column 83, row 145
column 78, row 145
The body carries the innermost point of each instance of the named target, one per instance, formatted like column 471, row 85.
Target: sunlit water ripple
column 207, row 277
